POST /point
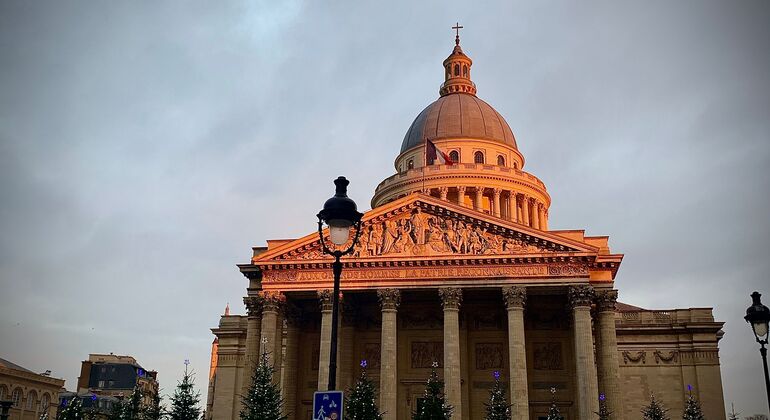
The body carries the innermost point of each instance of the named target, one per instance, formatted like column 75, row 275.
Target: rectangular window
column 101, row 384
column 111, row 383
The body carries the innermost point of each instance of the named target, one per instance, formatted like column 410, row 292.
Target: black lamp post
column 340, row 214
column 758, row 315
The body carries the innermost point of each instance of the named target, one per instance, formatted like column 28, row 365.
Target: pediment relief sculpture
column 419, row 233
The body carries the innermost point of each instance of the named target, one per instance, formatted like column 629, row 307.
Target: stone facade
column 456, row 266
column 33, row 394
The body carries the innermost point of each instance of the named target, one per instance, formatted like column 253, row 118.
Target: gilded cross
column 457, row 28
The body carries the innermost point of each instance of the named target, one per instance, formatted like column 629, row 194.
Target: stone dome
column 458, row 115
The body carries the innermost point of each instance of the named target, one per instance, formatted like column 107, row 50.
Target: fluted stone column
column 496, row 194
column 270, row 344
column 514, row 203
column 443, row 192
column 515, row 299
column 607, row 364
column 525, row 210
column 461, row 195
column 450, row 299
column 289, row 382
column 479, row 196
column 541, row 216
column 389, row 300
column 325, row 300
column 535, row 214
column 580, row 298
column 253, row 327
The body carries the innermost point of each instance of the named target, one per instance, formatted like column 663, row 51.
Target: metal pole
column 337, row 269
column 763, row 352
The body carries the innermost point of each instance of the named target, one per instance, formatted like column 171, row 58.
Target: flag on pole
column 432, row 153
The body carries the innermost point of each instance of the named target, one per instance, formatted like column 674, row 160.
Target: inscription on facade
column 425, row 353
column 548, row 356
column 282, row 276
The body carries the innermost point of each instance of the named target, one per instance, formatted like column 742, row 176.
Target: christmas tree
column 184, row 402
column 604, row 413
column 360, row 401
column 654, row 411
column 43, row 416
column 154, row 411
column 263, row 399
column 72, row 410
column 132, row 408
column 497, row 407
column 434, row 406
column 692, row 410
column 553, row 411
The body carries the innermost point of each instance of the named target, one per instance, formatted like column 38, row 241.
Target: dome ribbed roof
column 458, row 115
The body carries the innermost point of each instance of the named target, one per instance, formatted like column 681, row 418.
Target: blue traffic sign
column 327, row 405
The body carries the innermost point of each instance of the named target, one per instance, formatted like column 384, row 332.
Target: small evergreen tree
column 118, row 411
column 132, row 408
column 692, row 410
column 655, row 411
column 434, row 406
column 497, row 407
column 360, row 402
column 155, row 410
column 43, row 416
column 263, row 399
column 72, row 410
column 603, row 413
column 184, row 402
column 553, row 410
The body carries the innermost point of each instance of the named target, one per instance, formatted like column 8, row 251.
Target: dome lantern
column 457, row 70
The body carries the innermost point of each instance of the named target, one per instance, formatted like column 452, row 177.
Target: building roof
column 11, row 365
column 458, row 115
column 624, row 307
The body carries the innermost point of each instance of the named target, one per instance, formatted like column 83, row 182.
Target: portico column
column 443, row 191
column 585, row 367
column 325, row 300
column 389, row 300
column 289, row 378
column 450, row 299
column 479, row 196
column 514, row 203
column 525, row 210
column 535, row 215
column 461, row 195
column 253, row 326
column 515, row 298
column 607, row 353
column 271, row 305
column 496, row 194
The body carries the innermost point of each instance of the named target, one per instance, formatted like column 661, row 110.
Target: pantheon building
column 456, row 265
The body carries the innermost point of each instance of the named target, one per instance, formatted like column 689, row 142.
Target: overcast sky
column 146, row 146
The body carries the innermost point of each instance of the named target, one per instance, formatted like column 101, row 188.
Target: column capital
column 497, row 192
column 272, row 301
column 389, row 298
column 443, row 192
column 580, row 295
column 451, row 297
column 325, row 299
column 605, row 300
column 461, row 189
column 253, row 305
column 480, row 189
column 515, row 296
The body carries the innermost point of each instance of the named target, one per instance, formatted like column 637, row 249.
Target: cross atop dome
column 457, row 70
column 457, row 27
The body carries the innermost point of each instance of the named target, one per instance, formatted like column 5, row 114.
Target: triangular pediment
column 423, row 227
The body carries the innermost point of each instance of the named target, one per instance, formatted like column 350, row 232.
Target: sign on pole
column 327, row 405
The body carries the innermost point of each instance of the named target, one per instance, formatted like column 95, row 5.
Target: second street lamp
column 758, row 315
column 340, row 214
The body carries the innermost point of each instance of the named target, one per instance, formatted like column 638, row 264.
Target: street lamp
column 340, row 214
column 758, row 315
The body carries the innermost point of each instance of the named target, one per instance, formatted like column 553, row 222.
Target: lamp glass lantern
column 340, row 213
column 758, row 315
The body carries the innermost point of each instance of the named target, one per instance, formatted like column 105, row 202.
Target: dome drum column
column 461, row 196
column 525, row 209
column 535, row 213
column 479, row 204
column 496, row 204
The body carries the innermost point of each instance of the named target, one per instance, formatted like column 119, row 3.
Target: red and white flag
column 432, row 153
